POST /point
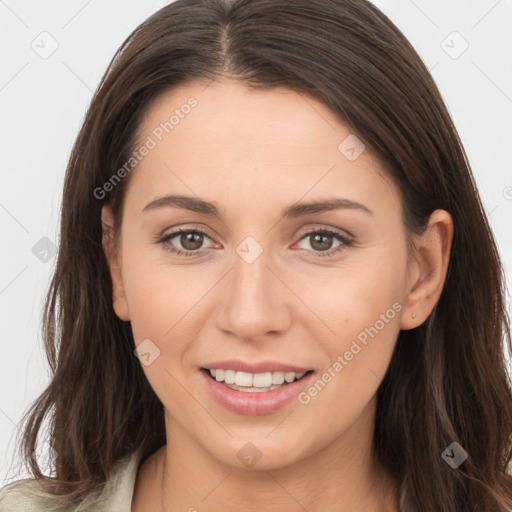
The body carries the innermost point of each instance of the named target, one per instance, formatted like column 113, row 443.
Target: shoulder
column 28, row 496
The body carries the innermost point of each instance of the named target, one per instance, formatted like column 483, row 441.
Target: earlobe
column 428, row 269
column 113, row 261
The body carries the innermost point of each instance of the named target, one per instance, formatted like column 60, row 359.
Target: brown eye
column 191, row 240
column 186, row 242
column 321, row 241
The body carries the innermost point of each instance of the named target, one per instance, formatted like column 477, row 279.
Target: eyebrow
column 197, row 205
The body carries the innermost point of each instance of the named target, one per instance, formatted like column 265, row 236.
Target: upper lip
column 255, row 367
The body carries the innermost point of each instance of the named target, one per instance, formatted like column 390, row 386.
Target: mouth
column 254, row 394
column 254, row 382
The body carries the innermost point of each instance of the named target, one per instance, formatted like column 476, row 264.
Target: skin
column 238, row 148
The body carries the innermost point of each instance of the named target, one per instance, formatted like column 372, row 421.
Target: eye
column 190, row 241
column 321, row 242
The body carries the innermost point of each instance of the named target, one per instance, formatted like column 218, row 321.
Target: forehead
column 225, row 140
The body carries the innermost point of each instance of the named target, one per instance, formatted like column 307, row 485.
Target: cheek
column 162, row 297
column 364, row 313
column 362, row 307
column 163, row 304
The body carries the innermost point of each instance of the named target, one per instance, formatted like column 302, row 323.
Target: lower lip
column 254, row 404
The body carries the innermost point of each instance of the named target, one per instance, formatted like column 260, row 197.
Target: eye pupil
column 191, row 241
column 324, row 241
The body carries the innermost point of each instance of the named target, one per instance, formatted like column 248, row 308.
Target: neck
column 343, row 476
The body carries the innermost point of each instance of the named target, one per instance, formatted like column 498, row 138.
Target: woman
column 337, row 348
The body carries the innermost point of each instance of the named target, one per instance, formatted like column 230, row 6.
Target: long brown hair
column 447, row 381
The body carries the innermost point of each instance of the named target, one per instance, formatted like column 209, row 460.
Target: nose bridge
column 251, row 274
column 254, row 302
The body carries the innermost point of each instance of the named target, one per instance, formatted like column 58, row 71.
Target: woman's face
column 317, row 289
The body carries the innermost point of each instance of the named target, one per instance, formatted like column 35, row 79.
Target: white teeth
column 229, row 376
column 289, row 376
column 263, row 381
column 243, row 379
column 277, row 377
column 251, row 389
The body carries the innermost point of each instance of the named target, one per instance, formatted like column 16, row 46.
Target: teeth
column 251, row 389
column 263, row 381
column 289, row 376
column 229, row 376
column 243, row 379
column 277, row 377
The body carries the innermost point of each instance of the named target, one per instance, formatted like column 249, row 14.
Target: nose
column 254, row 301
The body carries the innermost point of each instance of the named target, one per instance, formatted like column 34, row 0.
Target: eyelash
column 346, row 242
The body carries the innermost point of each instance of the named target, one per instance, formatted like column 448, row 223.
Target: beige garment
column 116, row 496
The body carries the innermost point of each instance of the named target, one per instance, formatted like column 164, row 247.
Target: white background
column 43, row 102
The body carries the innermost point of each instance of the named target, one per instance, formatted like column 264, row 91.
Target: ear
column 428, row 266
column 111, row 254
